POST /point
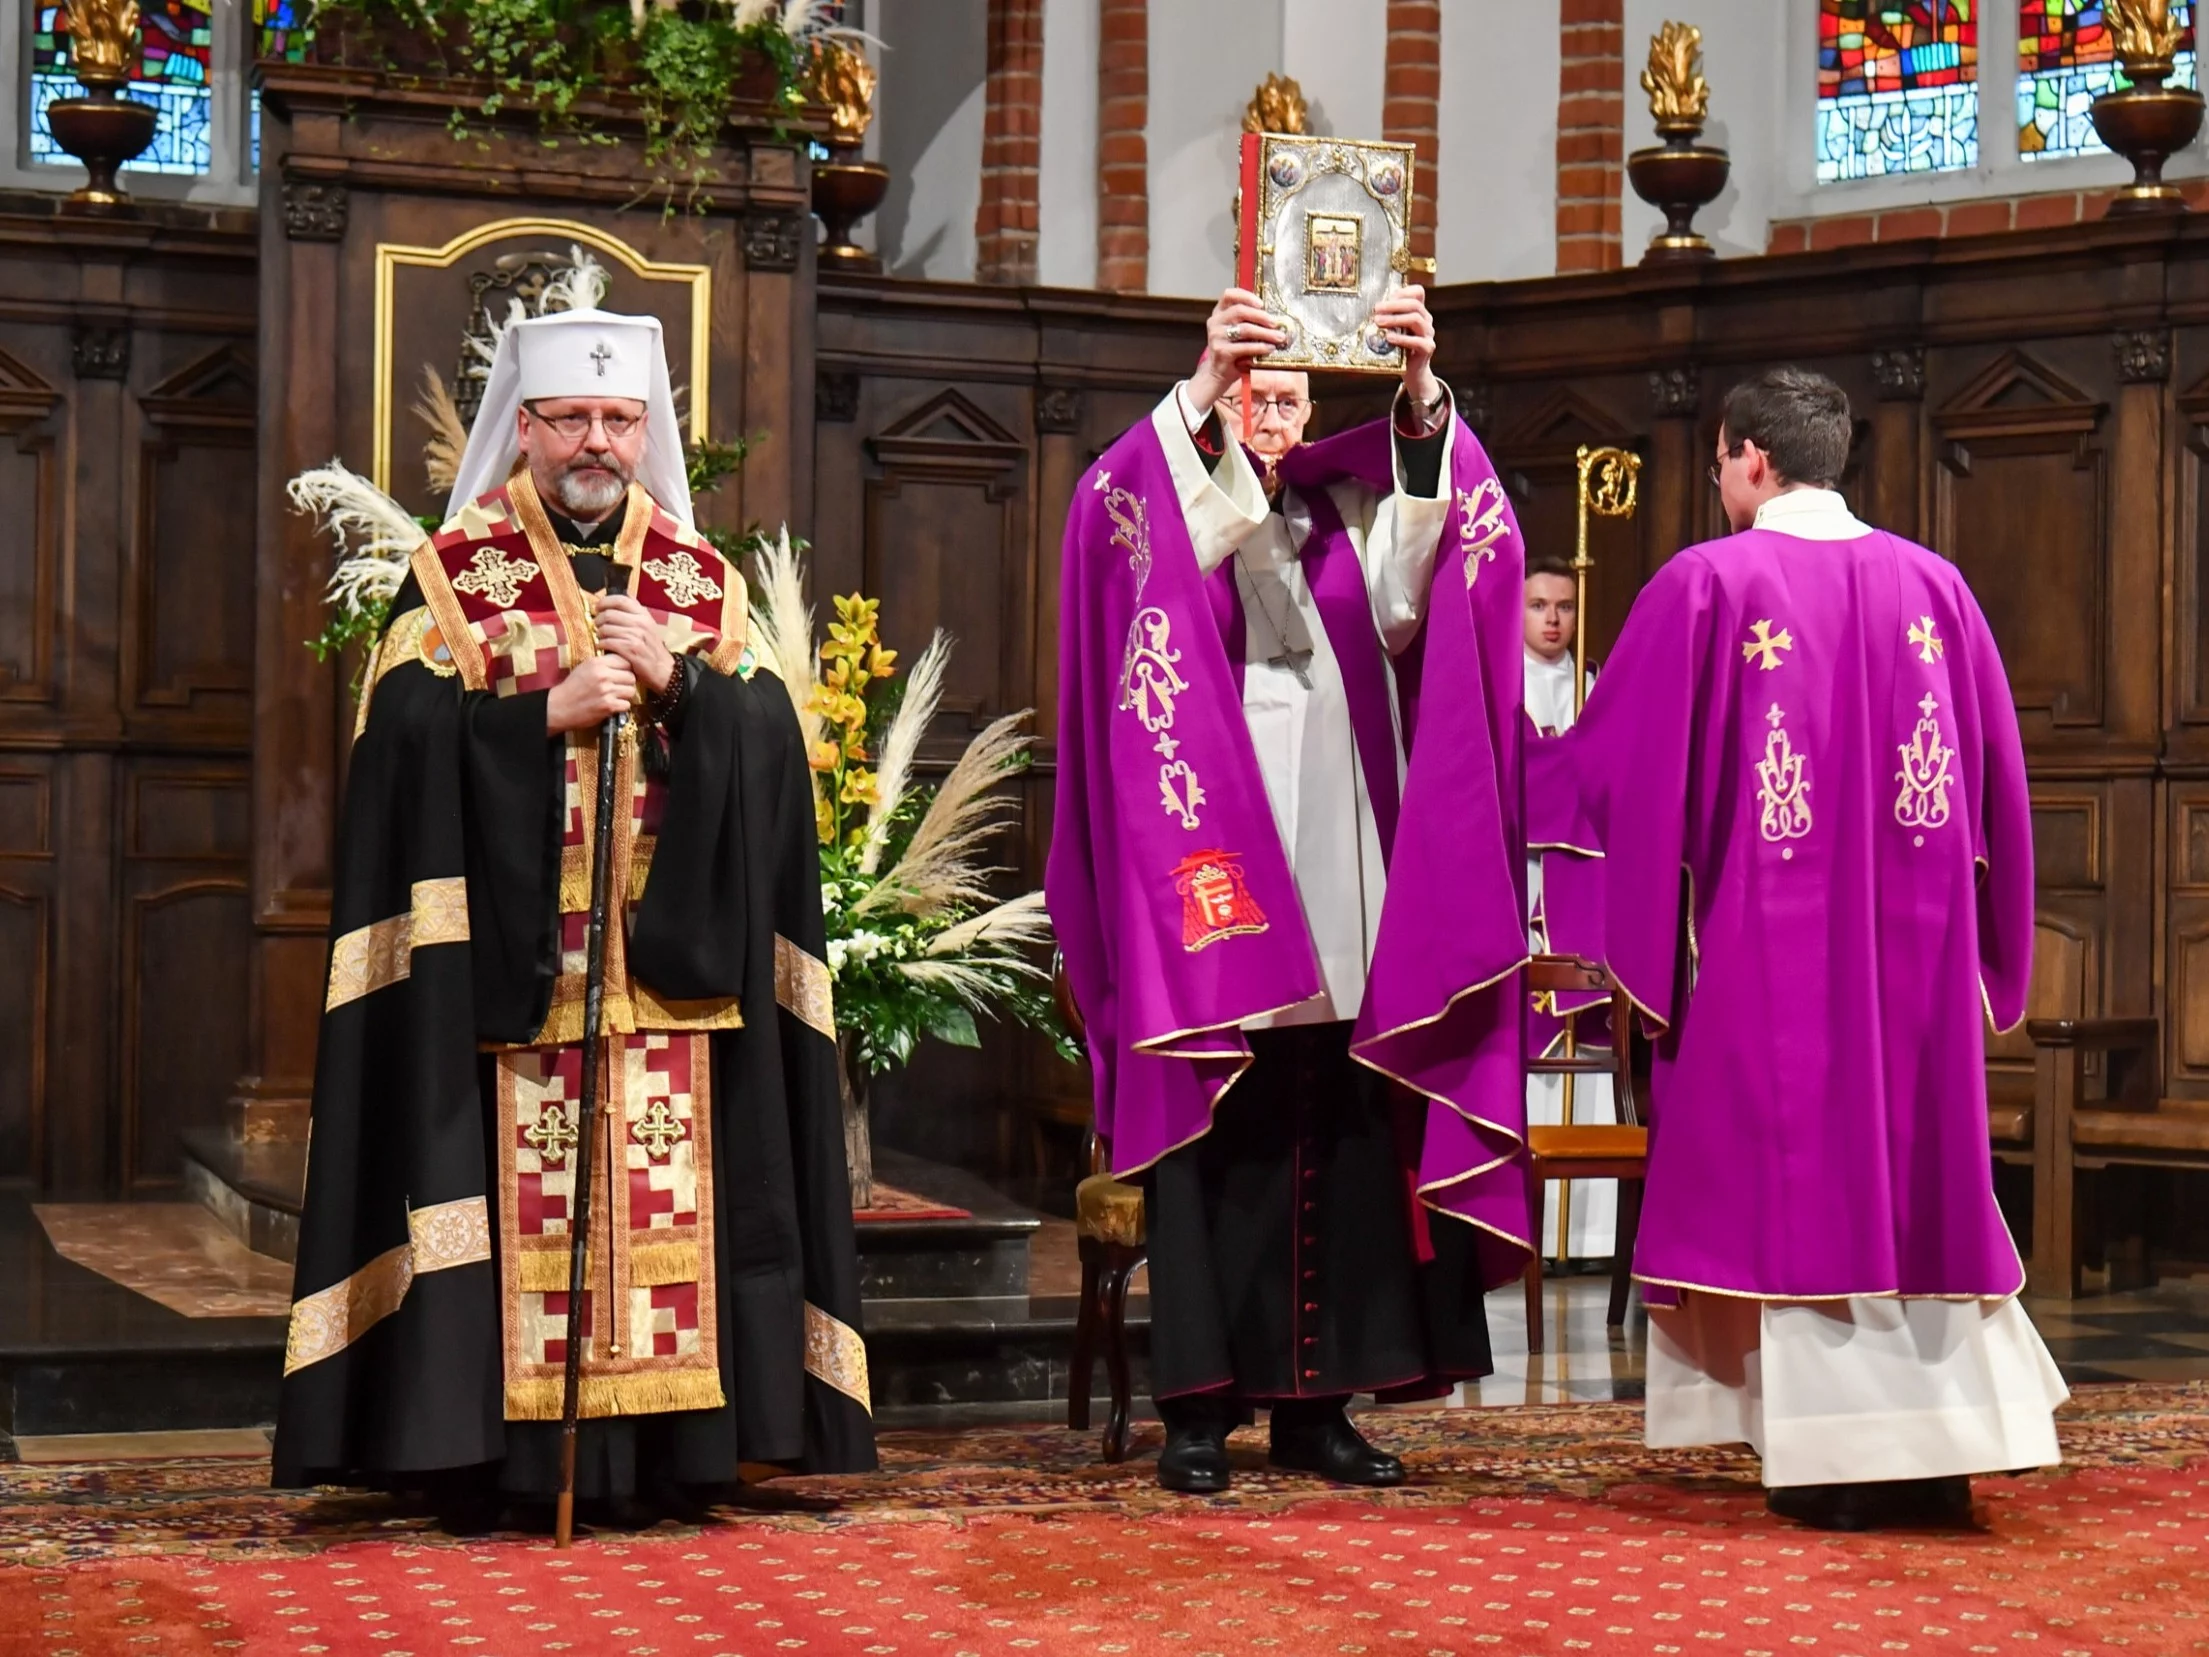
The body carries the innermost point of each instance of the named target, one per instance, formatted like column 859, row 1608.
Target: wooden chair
column 2114, row 1120
column 1593, row 1150
column 1108, row 1229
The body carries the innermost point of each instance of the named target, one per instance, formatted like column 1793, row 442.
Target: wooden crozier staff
column 610, row 737
column 1610, row 481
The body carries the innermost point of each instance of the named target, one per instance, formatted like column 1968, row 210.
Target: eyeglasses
column 573, row 428
column 1719, row 465
column 1288, row 408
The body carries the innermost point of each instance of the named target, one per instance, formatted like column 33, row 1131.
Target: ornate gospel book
column 1323, row 231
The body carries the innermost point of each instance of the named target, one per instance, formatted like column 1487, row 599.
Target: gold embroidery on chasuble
column 1927, row 773
column 370, row 958
column 1927, row 641
column 1482, row 522
column 1150, row 680
column 1782, row 785
column 803, row 987
column 1764, row 647
column 837, row 1357
column 648, row 1318
column 440, row 1237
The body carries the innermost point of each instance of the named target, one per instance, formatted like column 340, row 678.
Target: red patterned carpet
column 1530, row 1530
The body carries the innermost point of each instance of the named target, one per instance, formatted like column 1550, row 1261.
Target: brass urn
column 103, row 129
column 2147, row 122
column 846, row 186
column 1680, row 175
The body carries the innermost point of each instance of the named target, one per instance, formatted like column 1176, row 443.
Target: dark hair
column 1548, row 564
column 1799, row 419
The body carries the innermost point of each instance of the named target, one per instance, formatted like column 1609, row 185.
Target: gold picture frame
column 392, row 257
column 1332, row 233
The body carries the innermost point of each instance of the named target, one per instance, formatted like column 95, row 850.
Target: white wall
column 930, row 123
column 1205, row 61
column 1066, row 219
column 1337, row 50
column 1497, row 215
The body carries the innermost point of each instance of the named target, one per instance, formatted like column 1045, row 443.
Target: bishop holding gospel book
column 1286, row 870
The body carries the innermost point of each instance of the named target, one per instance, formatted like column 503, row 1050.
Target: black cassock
column 396, row 1369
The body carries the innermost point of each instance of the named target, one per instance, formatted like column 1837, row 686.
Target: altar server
column 429, row 1334
column 1242, row 633
column 1579, row 1217
column 1804, row 772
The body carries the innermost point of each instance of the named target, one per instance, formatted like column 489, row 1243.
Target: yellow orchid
column 824, row 756
column 858, row 787
column 824, row 821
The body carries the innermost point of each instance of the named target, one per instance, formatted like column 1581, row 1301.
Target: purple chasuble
column 1171, row 894
column 1803, row 772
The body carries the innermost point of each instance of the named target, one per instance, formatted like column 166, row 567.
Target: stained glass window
column 1897, row 87
column 279, row 29
column 175, row 60
column 2066, row 58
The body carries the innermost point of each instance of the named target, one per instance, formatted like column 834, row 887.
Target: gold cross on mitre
column 1927, row 641
column 1765, row 647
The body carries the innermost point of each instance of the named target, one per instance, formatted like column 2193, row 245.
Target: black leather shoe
column 1331, row 1448
column 1876, row 1505
column 1194, row 1460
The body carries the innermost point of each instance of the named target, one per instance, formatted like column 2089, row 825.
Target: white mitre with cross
column 580, row 353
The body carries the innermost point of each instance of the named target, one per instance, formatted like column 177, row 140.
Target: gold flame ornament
column 1678, row 94
column 1610, row 486
column 103, row 41
column 843, row 83
column 2145, row 32
column 1277, row 106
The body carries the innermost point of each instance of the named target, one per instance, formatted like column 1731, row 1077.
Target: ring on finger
column 1234, row 333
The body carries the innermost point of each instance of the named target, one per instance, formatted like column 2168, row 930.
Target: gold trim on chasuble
column 373, row 957
column 837, row 1357
column 803, row 987
column 653, row 1342
column 440, row 1237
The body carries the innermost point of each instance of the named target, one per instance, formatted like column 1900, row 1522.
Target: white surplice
column 1307, row 753
column 1845, row 1391
column 1588, row 1208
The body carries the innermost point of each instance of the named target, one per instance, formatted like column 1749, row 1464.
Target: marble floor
column 175, row 1253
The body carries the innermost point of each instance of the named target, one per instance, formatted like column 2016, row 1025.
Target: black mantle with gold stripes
column 447, row 976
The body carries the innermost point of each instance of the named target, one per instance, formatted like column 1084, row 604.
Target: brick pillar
column 1123, row 154
column 1005, row 223
column 1411, row 93
column 1591, row 146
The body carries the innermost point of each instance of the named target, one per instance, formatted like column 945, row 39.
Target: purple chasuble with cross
column 1173, row 899
column 1802, row 771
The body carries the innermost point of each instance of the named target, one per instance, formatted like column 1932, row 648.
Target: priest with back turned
column 430, row 1326
column 1285, row 872
column 1803, row 771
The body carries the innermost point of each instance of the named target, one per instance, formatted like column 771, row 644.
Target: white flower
column 831, row 895
column 836, row 951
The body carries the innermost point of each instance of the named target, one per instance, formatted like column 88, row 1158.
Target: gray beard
column 590, row 493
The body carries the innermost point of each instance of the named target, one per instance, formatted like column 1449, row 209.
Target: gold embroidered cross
column 684, row 581
column 1774, row 717
column 552, row 1133
column 1765, row 647
column 658, row 1129
column 1927, row 706
column 496, row 578
column 1104, row 482
column 1927, row 641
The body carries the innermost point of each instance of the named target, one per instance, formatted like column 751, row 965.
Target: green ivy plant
column 679, row 69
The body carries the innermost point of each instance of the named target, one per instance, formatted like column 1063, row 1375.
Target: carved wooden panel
column 1536, row 456
column 24, row 960
column 2193, row 557
column 2067, row 840
column 189, row 816
column 186, row 634
column 946, row 546
column 2066, row 973
column 185, row 957
column 2021, row 505
column 30, row 505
